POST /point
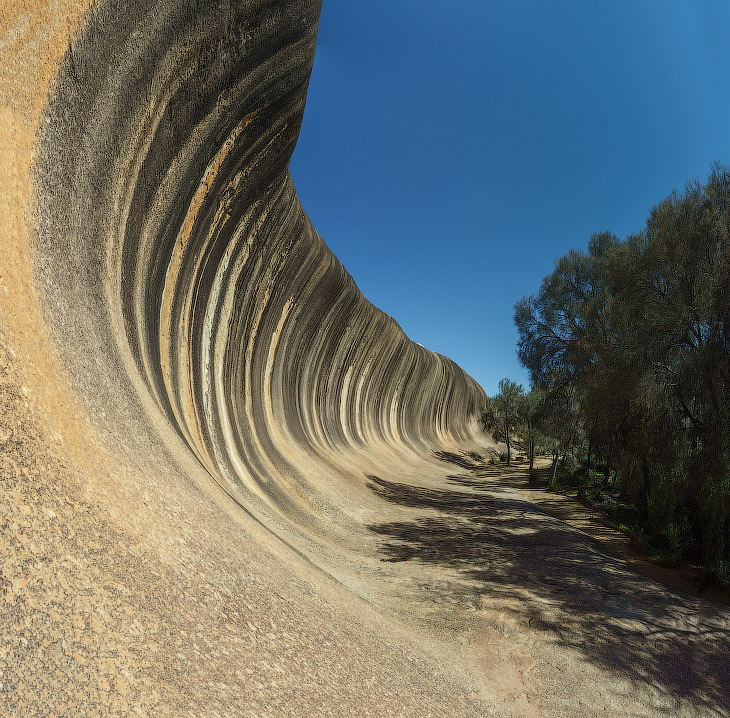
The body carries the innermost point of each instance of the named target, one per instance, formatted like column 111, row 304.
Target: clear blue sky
column 451, row 151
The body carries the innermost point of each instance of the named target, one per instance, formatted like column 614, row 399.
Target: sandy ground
column 476, row 602
column 614, row 542
column 550, row 620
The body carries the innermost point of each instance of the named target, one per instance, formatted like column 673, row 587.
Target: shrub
column 534, row 478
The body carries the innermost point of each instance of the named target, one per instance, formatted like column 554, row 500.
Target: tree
column 630, row 343
column 529, row 410
column 559, row 422
column 563, row 327
column 502, row 416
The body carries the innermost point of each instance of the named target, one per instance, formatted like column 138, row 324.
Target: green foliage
column 532, row 424
column 670, row 511
column 629, row 345
column 501, row 416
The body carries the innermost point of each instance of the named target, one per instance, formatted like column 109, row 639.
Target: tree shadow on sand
column 508, row 548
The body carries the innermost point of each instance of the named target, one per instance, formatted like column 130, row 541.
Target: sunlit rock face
column 194, row 395
column 184, row 283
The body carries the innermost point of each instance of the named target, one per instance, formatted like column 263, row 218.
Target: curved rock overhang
column 184, row 284
column 194, row 395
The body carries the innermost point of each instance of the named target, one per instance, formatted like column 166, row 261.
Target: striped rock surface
column 177, row 267
column 195, row 391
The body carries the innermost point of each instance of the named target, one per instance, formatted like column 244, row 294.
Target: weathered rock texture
column 194, row 388
column 219, row 494
column 176, row 263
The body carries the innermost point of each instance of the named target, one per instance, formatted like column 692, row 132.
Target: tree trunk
column 588, row 461
column 508, row 451
column 532, row 453
column 554, row 469
column 645, row 493
column 625, row 480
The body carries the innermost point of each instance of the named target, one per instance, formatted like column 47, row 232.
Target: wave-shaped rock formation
column 173, row 248
column 223, row 481
column 192, row 371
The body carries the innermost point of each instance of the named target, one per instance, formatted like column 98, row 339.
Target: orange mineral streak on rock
column 185, row 409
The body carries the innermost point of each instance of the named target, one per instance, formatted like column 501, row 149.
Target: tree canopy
column 636, row 331
column 501, row 416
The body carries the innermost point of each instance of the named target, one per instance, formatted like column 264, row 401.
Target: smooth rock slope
column 178, row 269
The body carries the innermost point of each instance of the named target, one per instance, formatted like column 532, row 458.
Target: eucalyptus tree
column 563, row 327
column 638, row 331
column 502, row 416
column 676, row 305
column 529, row 411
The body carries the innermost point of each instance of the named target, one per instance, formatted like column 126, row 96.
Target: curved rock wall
column 176, row 263
column 193, row 392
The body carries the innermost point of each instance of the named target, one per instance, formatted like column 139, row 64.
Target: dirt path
column 616, row 543
column 545, row 602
